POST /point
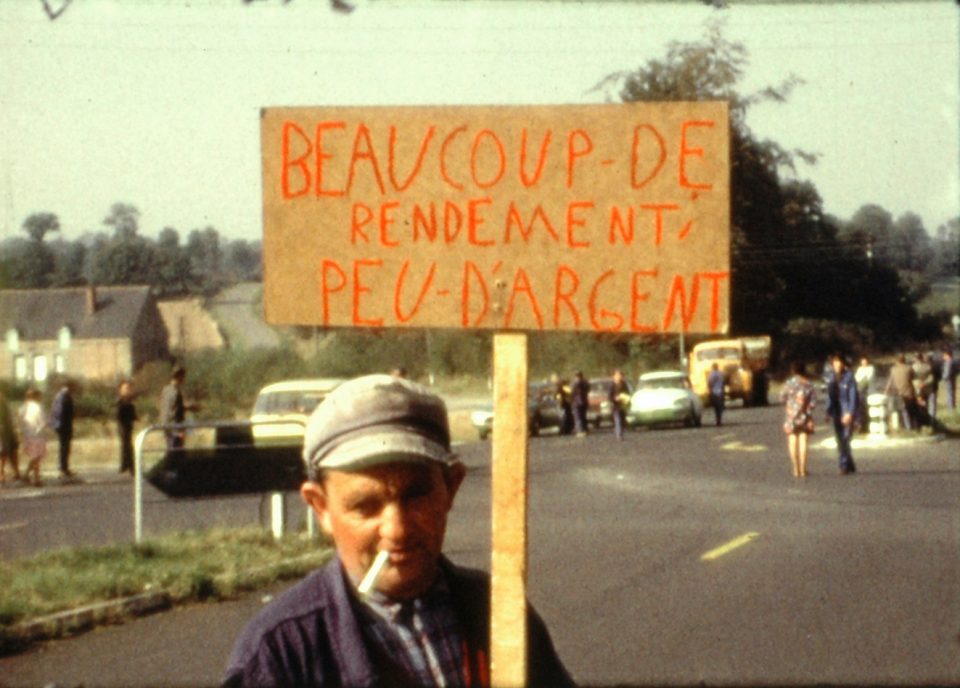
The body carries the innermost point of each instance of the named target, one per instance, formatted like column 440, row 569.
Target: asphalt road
column 832, row 579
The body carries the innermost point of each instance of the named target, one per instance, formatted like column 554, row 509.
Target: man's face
column 400, row 508
column 837, row 365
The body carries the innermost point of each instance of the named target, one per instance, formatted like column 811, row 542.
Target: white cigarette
column 369, row 580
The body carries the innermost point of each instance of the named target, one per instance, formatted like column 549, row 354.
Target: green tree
column 174, row 274
column 69, row 258
column 206, row 258
column 38, row 225
column 871, row 228
column 126, row 257
column 912, row 249
column 711, row 70
column 125, row 220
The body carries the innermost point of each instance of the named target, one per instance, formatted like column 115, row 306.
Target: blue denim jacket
column 845, row 398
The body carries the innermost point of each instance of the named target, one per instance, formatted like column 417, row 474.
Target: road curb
column 74, row 621
column 81, row 619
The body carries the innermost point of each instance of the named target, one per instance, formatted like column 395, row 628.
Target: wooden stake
column 508, row 595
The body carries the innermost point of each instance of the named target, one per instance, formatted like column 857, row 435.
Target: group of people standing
column 911, row 389
column 26, row 432
column 573, row 402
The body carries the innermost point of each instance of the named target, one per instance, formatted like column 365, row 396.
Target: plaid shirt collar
column 420, row 636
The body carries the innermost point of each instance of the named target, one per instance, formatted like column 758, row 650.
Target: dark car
column 600, row 408
column 543, row 412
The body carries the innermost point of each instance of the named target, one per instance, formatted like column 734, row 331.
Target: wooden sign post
column 591, row 218
column 508, row 583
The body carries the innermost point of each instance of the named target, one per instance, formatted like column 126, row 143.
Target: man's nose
column 394, row 524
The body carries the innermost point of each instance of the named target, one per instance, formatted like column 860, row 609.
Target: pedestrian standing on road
column 715, row 388
column 561, row 397
column 842, row 410
column 33, row 425
column 126, row 417
column 619, row 397
column 61, row 420
column 798, row 399
column 173, row 408
column 9, row 444
column 949, row 374
column 900, row 391
column 924, row 388
column 865, row 376
column 580, row 402
column 389, row 609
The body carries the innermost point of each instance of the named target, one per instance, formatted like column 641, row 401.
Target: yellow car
column 292, row 401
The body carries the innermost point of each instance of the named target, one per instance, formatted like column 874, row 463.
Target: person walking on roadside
column 842, row 410
column 716, row 382
column 798, row 399
column 580, row 401
column 61, row 420
column 619, row 397
column 389, row 608
column 9, row 444
column 33, row 424
column 900, row 391
column 126, row 417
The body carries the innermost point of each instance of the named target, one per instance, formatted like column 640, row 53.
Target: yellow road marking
column 729, row 547
column 13, row 526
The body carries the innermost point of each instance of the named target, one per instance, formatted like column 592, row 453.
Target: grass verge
column 187, row 567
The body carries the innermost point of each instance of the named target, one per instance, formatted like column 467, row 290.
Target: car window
column 275, row 403
column 662, row 383
column 722, row 353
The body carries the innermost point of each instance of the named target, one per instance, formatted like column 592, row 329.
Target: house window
column 39, row 368
column 13, row 340
column 60, row 363
column 20, row 367
column 64, row 337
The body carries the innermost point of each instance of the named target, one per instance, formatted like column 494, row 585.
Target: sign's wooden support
column 508, row 619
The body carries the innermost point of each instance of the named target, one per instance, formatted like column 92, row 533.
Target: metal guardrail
column 276, row 497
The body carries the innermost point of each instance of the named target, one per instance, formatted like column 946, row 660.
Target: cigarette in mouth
column 369, row 580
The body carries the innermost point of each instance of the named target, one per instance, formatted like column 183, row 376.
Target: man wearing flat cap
column 381, row 479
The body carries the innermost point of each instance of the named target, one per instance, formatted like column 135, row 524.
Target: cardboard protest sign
column 605, row 218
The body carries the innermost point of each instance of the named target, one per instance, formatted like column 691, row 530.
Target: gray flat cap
column 373, row 420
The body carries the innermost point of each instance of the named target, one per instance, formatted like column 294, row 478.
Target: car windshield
column 288, row 402
column 663, row 383
column 726, row 353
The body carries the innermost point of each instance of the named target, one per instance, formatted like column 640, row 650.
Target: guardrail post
column 276, row 514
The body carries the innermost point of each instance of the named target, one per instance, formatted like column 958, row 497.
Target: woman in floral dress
column 798, row 400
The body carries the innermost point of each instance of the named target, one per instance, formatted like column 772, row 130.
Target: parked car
column 600, row 409
column 664, row 397
column 290, row 400
column 542, row 412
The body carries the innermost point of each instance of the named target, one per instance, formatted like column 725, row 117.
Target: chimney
column 91, row 298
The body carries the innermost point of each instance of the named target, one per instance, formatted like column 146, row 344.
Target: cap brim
column 378, row 448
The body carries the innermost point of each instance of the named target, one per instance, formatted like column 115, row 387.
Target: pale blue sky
column 156, row 103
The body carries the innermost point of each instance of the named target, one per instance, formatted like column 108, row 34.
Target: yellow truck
column 743, row 362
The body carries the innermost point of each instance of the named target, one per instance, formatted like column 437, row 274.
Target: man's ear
column 315, row 497
column 453, row 476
